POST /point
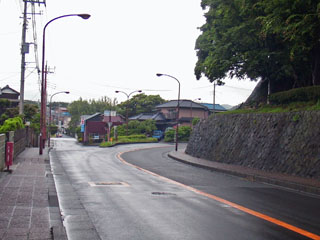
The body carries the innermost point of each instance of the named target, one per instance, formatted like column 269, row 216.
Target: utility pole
column 24, row 50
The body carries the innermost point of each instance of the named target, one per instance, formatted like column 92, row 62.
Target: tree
column 297, row 22
column 253, row 39
column 30, row 110
column 84, row 107
column 139, row 103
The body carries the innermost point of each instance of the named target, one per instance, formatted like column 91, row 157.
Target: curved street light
column 197, row 99
column 44, row 82
column 178, row 105
column 128, row 96
column 66, row 92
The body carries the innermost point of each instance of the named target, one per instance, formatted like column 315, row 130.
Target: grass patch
column 129, row 139
column 292, row 107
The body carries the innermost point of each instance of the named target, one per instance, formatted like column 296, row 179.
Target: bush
column 305, row 94
column 183, row 134
column 12, row 124
column 135, row 128
column 169, row 135
column 129, row 139
column 195, row 121
column 136, row 136
column 53, row 129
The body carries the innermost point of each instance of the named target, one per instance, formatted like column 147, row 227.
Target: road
column 103, row 196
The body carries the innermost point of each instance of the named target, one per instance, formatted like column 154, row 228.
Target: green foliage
column 107, row 144
column 296, row 117
column 53, row 129
column 183, row 134
column 4, row 104
column 136, row 136
column 169, row 135
column 129, row 139
column 12, row 124
column 264, row 39
column 139, row 103
column 195, row 121
column 136, row 127
column 35, row 123
column 30, row 110
column 3, row 117
column 306, row 94
column 84, row 107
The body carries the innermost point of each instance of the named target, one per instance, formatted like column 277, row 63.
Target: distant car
column 158, row 134
column 58, row 135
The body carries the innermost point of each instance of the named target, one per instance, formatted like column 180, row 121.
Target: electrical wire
column 35, row 42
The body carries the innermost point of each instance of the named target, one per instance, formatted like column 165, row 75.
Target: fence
column 22, row 138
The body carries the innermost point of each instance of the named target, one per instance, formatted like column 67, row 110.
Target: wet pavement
column 29, row 206
column 284, row 180
column 28, row 200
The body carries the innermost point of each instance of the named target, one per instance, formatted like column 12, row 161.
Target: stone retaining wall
column 279, row 142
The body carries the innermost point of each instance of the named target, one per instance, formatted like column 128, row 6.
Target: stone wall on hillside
column 277, row 142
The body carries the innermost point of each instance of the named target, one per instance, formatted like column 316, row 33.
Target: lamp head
column 67, row 92
column 117, row 91
column 159, row 74
column 139, row 91
column 84, row 15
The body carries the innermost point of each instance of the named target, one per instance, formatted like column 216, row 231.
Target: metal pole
column 178, row 107
column 128, row 96
column 23, row 58
column 214, row 97
column 43, row 83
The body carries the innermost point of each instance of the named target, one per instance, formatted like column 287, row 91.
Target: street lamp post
column 44, row 84
column 49, row 133
column 178, row 106
column 197, row 99
column 219, row 83
column 128, row 96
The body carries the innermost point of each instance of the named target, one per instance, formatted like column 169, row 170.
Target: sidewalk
column 284, row 180
column 29, row 206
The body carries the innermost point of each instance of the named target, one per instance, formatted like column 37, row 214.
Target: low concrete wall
column 284, row 142
column 2, row 151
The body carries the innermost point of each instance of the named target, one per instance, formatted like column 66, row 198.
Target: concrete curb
column 58, row 231
column 253, row 176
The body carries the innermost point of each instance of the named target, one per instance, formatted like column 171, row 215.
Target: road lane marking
column 224, row 201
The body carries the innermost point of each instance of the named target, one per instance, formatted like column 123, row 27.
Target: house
column 158, row 117
column 61, row 117
column 10, row 94
column 217, row 107
column 94, row 128
column 187, row 111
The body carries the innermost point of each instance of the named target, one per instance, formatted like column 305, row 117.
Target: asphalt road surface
column 107, row 195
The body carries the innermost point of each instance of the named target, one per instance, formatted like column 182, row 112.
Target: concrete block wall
column 2, row 151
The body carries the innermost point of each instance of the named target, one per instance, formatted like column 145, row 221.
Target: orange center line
column 231, row 204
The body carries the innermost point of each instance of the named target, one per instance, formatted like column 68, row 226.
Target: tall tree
column 250, row 38
column 140, row 103
column 85, row 107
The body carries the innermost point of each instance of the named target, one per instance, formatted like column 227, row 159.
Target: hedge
column 306, row 94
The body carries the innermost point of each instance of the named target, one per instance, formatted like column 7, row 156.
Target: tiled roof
column 217, row 107
column 182, row 104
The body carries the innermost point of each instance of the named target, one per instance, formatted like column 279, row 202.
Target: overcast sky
column 121, row 47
